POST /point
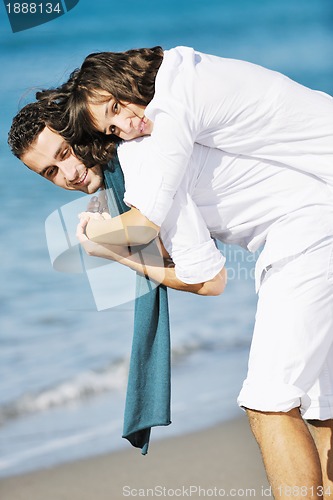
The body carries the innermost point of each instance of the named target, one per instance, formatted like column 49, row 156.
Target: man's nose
column 69, row 170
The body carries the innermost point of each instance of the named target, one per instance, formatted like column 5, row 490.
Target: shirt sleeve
column 187, row 239
column 184, row 231
column 172, row 138
column 171, row 146
column 142, row 181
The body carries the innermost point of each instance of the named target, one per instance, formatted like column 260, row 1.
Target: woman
column 181, row 96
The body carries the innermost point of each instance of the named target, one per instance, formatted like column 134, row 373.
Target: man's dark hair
column 34, row 117
column 29, row 123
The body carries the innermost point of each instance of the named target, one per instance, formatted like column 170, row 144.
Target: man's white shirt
column 232, row 198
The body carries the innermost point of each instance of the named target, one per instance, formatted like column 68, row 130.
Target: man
column 245, row 201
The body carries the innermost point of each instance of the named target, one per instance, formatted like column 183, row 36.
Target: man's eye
column 51, row 172
column 65, row 153
column 115, row 107
column 112, row 129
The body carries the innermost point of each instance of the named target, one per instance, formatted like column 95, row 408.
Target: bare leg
column 322, row 433
column 289, row 454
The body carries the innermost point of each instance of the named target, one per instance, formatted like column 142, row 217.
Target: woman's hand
column 90, row 247
column 160, row 271
column 111, row 252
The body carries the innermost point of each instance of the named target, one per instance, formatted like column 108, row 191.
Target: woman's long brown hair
column 127, row 76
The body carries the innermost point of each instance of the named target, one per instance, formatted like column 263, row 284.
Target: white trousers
column 291, row 357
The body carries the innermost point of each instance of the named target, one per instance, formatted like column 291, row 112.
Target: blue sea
column 63, row 363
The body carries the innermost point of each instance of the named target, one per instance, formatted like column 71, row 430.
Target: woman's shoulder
column 132, row 153
column 176, row 58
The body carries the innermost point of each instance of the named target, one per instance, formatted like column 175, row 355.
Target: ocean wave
column 84, row 385
column 93, row 383
column 207, row 344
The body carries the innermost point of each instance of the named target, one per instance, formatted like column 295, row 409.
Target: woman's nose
column 121, row 123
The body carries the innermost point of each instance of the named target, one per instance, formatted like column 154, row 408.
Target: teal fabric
column 149, row 386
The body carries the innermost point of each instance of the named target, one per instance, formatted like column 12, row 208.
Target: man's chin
column 92, row 190
column 91, row 183
column 83, row 189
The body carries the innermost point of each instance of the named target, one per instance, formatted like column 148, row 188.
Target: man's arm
column 162, row 271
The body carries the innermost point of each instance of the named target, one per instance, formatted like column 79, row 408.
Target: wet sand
column 223, row 461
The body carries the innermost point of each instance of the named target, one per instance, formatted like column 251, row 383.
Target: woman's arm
column 162, row 271
column 129, row 229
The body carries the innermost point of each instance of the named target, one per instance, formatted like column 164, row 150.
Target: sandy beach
column 223, row 461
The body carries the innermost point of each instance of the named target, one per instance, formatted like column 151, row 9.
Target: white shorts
column 291, row 357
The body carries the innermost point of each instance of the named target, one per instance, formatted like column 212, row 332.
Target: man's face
column 52, row 157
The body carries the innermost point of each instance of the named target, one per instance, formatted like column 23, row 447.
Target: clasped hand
column 113, row 252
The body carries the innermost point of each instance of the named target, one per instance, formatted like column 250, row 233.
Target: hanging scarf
column 149, row 387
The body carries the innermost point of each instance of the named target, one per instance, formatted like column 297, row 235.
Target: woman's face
column 125, row 120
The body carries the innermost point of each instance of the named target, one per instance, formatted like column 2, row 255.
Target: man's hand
column 94, row 205
column 98, row 204
column 94, row 216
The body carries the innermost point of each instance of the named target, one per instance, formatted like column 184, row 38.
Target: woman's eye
column 112, row 129
column 115, row 107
